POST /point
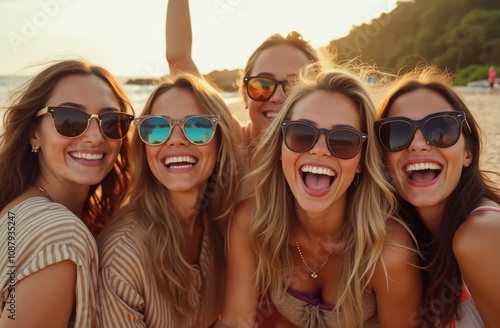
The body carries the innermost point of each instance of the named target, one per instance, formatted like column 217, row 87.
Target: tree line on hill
column 461, row 36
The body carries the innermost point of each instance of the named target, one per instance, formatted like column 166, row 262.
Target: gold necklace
column 45, row 193
column 314, row 273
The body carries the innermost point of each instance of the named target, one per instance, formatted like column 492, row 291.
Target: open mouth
column 86, row 156
column 180, row 162
column 317, row 178
column 422, row 172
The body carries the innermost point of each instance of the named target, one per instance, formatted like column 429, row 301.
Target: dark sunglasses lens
column 261, row 88
column 395, row 135
column 199, row 130
column 154, row 130
column 299, row 137
column 115, row 125
column 442, row 131
column 344, row 144
column 70, row 122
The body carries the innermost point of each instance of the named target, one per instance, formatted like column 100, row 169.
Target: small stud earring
column 34, row 148
column 427, row 141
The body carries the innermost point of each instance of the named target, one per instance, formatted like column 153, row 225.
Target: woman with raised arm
column 432, row 146
column 317, row 240
column 162, row 257
column 63, row 171
column 266, row 75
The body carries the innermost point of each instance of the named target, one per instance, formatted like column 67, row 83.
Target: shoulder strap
column 486, row 208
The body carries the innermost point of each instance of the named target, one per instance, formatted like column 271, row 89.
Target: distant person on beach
column 432, row 145
column 492, row 78
column 266, row 75
column 63, row 171
column 162, row 256
column 318, row 241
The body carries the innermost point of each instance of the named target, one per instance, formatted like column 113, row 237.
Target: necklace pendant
column 314, row 275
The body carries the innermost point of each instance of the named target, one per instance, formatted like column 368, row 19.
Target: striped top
column 467, row 312
column 41, row 233
column 128, row 292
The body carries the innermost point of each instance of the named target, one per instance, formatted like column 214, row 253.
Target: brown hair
column 441, row 272
column 18, row 166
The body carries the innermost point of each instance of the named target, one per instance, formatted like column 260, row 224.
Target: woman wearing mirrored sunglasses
column 162, row 257
column 317, row 240
column 63, row 171
column 433, row 145
column 267, row 73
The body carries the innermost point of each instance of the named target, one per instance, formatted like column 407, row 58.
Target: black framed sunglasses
column 262, row 88
column 441, row 129
column 154, row 130
column 343, row 143
column 72, row 122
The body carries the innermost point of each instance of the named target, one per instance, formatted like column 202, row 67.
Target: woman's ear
column 34, row 137
column 467, row 158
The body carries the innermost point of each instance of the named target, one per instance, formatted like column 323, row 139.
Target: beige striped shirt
column 128, row 293
column 41, row 233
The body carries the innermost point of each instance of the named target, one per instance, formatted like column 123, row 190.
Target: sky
column 128, row 37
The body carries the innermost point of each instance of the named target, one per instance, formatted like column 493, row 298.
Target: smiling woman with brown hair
column 432, row 147
column 63, row 171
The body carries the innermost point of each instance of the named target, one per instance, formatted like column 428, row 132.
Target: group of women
column 324, row 211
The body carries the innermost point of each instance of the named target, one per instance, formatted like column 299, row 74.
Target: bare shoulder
column 399, row 249
column 477, row 235
column 243, row 214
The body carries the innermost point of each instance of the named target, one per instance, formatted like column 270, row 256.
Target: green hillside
column 452, row 34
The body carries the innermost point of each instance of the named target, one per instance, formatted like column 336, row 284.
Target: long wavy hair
column 441, row 271
column 369, row 204
column 19, row 167
column 159, row 232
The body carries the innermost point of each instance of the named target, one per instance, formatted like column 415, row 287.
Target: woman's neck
column 431, row 217
column 186, row 206
column 322, row 225
column 73, row 197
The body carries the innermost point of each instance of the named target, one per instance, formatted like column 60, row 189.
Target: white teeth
column 90, row 157
column 422, row 166
column 318, row 170
column 183, row 166
column 180, row 159
column 271, row 114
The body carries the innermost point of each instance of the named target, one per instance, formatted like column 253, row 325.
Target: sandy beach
column 485, row 108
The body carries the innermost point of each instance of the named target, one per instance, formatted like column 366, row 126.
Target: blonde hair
column 369, row 204
column 159, row 231
column 19, row 167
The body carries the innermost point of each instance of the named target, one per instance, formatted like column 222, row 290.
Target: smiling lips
column 316, row 177
column 87, row 156
column 180, row 162
column 423, row 171
column 271, row 114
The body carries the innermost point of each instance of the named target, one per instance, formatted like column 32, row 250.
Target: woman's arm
column 476, row 247
column 399, row 293
column 43, row 299
column 179, row 37
column 241, row 299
